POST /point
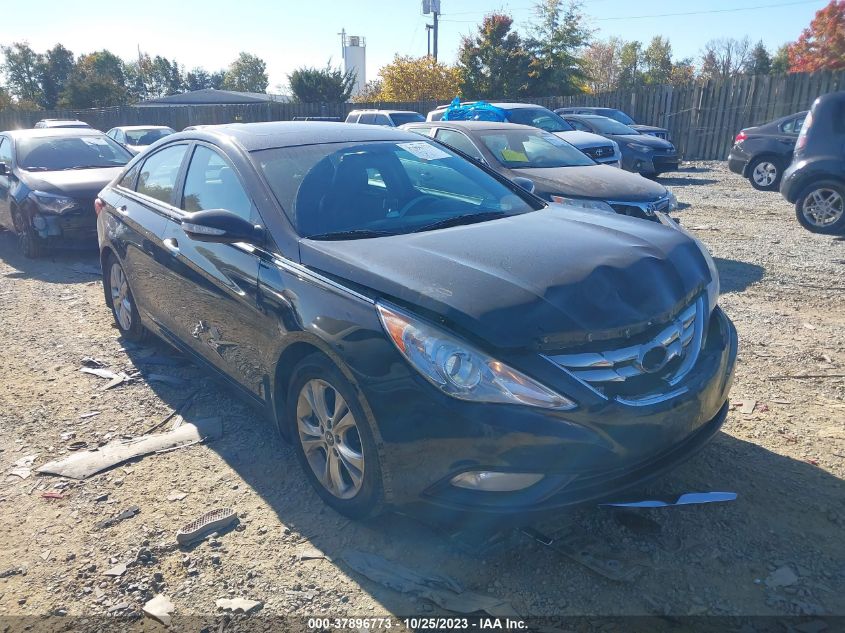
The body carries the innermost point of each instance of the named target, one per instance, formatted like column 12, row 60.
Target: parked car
column 595, row 146
column 49, row 179
column 815, row 181
column 556, row 171
column 137, row 138
column 422, row 329
column 389, row 118
column 641, row 153
column 617, row 115
column 761, row 153
column 332, row 119
column 51, row 123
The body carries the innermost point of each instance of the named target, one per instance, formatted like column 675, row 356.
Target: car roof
column 383, row 111
column 473, row 125
column 53, row 131
column 589, row 116
column 142, row 127
column 258, row 136
column 505, row 105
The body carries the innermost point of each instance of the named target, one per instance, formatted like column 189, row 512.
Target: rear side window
column 130, row 177
column 6, row 152
column 381, row 119
column 211, row 183
column 367, row 119
column 352, row 118
column 793, row 126
column 159, row 172
column 459, row 142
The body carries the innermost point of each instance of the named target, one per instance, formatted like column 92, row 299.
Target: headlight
column 460, row 370
column 51, row 202
column 581, row 203
column 713, row 288
column 640, row 148
column 673, row 202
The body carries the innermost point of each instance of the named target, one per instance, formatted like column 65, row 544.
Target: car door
column 6, row 182
column 460, row 142
column 214, row 303
column 789, row 131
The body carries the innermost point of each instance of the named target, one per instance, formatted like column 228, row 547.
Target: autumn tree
column 821, row 46
column 371, row 92
column 416, row 79
column 321, row 85
column 603, row 64
column 247, row 73
column 683, row 71
column 630, row 65
column 494, row 62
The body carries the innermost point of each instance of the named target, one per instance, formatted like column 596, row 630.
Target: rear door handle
column 171, row 245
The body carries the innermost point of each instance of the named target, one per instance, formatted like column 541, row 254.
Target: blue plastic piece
column 478, row 111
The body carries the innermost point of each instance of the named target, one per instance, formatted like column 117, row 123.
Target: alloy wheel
column 120, row 296
column 330, row 438
column 823, row 207
column 765, row 174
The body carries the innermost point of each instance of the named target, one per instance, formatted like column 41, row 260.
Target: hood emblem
column 653, row 358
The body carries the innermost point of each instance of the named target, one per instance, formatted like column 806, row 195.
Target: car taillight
column 99, row 205
column 740, row 137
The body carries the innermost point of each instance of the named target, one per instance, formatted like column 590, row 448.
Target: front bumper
column 76, row 227
column 650, row 163
column 587, row 454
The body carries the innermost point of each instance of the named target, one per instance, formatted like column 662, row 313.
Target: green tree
column 54, row 71
column 5, row 98
column 760, row 62
column 247, row 73
column 630, row 65
column 21, row 65
column 602, row 64
column 98, row 80
column 167, row 77
column 494, row 62
column 657, row 61
column 321, row 85
column 780, row 60
column 683, row 71
column 555, row 43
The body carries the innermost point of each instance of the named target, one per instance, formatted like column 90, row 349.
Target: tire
column 764, row 173
column 121, row 301
column 339, row 456
column 821, row 207
column 30, row 245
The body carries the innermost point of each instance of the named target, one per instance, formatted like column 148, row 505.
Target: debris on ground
column 126, row 514
column 83, row 465
column 782, row 577
column 236, row 605
column 117, row 570
column 689, row 498
column 309, row 553
column 22, row 467
column 212, row 521
column 52, row 495
column 159, row 608
column 114, row 379
column 176, row 495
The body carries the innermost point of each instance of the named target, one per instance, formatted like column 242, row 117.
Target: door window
column 793, row 126
column 158, row 175
column 367, row 119
column 578, row 125
column 6, row 152
column 211, row 183
column 460, row 142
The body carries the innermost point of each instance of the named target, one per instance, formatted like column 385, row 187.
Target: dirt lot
column 777, row 550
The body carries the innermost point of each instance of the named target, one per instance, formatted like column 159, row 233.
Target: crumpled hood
column 582, row 140
column 643, row 139
column 84, row 184
column 596, row 181
column 546, row 279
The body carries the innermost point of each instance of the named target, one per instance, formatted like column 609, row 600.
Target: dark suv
column 815, row 181
column 761, row 153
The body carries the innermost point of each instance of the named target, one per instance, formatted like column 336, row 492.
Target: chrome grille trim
column 648, row 208
column 682, row 338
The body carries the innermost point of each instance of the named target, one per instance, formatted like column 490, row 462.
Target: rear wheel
column 821, row 207
column 122, row 302
column 333, row 440
column 764, row 173
column 29, row 243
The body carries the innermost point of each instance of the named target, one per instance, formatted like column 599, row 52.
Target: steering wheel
column 413, row 203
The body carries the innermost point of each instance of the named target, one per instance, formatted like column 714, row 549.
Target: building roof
column 210, row 96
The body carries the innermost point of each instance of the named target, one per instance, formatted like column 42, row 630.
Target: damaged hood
column 550, row 278
column 84, row 184
column 599, row 182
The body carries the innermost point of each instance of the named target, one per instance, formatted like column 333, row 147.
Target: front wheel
column 821, row 207
column 122, row 301
column 30, row 245
column 333, row 439
column 764, row 174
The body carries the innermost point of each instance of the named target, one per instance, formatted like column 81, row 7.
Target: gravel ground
column 777, row 550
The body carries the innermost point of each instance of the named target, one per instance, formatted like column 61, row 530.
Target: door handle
column 171, row 245
column 123, row 210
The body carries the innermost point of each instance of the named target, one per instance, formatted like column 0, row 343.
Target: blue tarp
column 478, row 111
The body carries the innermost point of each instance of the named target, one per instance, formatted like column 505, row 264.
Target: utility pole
column 428, row 28
column 435, row 11
column 433, row 7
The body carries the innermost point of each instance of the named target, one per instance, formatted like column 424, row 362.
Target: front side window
column 6, row 152
column 539, row 117
column 359, row 190
column 211, row 183
column 401, row 118
column 459, row 142
column 517, row 149
column 58, row 153
column 578, row 125
column 618, row 115
column 367, row 119
column 159, row 172
column 603, row 125
column 145, row 137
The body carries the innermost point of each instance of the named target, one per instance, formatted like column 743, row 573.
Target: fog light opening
column 489, row 481
column 39, row 222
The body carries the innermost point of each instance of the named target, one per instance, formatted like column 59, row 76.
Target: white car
column 136, row 138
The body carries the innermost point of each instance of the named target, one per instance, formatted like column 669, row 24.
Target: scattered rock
column 117, row 570
column 159, row 608
column 238, row 605
column 782, row 577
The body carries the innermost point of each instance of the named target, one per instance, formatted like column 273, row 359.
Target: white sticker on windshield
column 424, row 150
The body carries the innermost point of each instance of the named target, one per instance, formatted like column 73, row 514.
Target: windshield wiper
column 351, row 234
column 466, row 218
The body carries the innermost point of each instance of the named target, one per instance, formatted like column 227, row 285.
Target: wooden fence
column 703, row 118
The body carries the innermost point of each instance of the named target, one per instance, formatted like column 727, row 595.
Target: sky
column 289, row 34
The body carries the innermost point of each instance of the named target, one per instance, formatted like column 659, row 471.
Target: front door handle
column 171, row 245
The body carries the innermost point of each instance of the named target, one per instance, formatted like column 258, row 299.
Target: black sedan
column 617, row 115
column 641, row 153
column 421, row 328
column 763, row 152
column 49, row 179
column 551, row 168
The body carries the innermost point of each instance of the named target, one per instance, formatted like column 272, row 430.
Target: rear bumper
column 738, row 161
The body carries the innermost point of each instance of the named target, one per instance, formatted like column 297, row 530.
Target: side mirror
column 221, row 226
column 525, row 183
column 4, row 169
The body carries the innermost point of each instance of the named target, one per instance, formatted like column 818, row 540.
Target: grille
column 642, row 210
column 604, row 151
column 662, row 135
column 645, row 368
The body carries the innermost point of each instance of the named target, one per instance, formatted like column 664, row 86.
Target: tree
column 657, row 61
column 21, row 65
column 683, row 72
column 760, row 62
column 321, row 85
column 494, row 62
column 556, row 41
column 630, row 63
column 98, row 80
column 371, row 92
column 821, row 46
column 603, row 65
column 54, row 71
column 201, row 79
column 780, row 60
column 247, row 73
column 725, row 57
column 5, row 98
column 416, row 79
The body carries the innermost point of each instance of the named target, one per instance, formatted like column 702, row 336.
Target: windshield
column 145, row 137
column 608, row 126
column 539, row 117
column 620, row 116
column 358, row 190
column 517, row 149
column 56, row 153
column 401, row 118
